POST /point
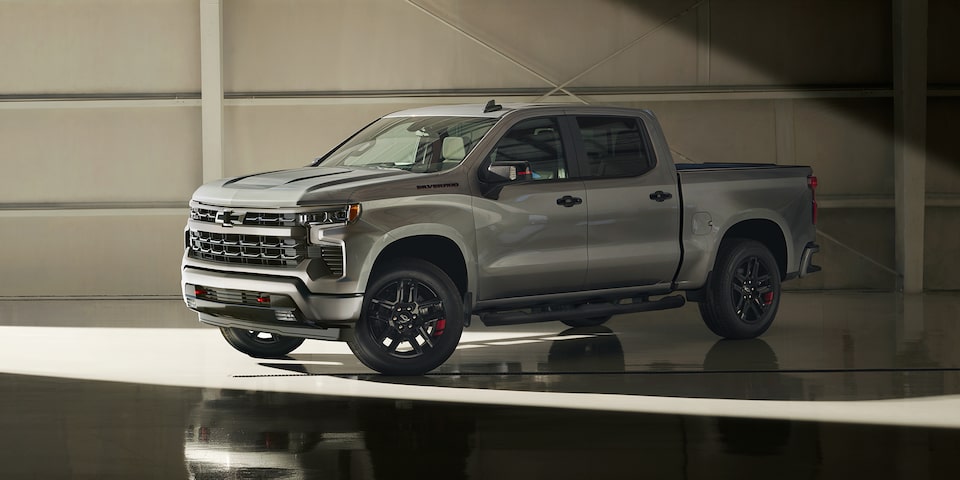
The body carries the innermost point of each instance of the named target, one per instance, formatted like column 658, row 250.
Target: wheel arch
column 439, row 250
column 765, row 231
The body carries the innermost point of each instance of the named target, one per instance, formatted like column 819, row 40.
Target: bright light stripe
column 569, row 337
column 513, row 342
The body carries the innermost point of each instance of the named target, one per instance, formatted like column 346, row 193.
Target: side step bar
column 584, row 311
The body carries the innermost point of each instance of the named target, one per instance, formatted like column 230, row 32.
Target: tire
column 587, row 322
column 260, row 344
column 743, row 293
column 411, row 320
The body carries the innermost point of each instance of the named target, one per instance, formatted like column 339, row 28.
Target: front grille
column 288, row 249
column 270, row 219
column 281, row 304
column 229, row 296
column 253, row 218
column 246, row 249
column 203, row 214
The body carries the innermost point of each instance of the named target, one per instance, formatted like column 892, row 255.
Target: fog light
column 286, row 316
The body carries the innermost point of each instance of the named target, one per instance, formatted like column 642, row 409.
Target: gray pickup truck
column 515, row 214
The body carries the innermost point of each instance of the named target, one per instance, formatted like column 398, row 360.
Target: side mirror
column 498, row 174
column 504, row 172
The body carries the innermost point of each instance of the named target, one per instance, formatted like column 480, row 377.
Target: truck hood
column 291, row 188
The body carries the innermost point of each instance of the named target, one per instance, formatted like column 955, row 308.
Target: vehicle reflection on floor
column 591, row 360
column 256, row 435
column 107, row 389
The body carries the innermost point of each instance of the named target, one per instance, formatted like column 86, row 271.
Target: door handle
column 660, row 195
column 569, row 201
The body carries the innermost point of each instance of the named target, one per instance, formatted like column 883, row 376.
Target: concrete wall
column 100, row 125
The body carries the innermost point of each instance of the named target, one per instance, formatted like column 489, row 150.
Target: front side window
column 537, row 142
column 415, row 144
column 615, row 146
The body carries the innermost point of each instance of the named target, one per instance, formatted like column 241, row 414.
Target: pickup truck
column 399, row 236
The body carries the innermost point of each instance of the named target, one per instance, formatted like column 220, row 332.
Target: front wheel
column 411, row 321
column 260, row 344
column 743, row 293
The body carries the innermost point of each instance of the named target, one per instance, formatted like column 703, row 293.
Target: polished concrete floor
column 862, row 385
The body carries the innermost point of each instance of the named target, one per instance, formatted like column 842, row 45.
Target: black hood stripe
column 317, row 176
column 361, row 178
column 244, row 177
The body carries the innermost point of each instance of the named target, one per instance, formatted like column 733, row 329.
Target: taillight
column 812, row 185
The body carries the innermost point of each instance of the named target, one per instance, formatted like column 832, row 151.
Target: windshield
column 415, row 144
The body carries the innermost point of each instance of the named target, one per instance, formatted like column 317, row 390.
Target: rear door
column 632, row 204
column 532, row 238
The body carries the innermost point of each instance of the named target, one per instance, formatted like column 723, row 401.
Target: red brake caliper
column 768, row 298
column 438, row 330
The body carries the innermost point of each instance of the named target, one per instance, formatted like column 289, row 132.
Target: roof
column 476, row 110
column 467, row 110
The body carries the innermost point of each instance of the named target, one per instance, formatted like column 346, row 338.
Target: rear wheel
column 260, row 344
column 743, row 293
column 411, row 322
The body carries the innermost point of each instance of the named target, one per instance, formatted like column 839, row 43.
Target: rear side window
column 615, row 146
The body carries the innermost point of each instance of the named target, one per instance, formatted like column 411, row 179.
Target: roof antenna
column 492, row 107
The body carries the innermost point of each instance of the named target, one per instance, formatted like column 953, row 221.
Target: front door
column 532, row 238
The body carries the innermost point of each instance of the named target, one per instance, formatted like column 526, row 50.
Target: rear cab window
column 613, row 146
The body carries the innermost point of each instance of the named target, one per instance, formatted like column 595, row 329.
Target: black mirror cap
column 498, row 174
column 505, row 172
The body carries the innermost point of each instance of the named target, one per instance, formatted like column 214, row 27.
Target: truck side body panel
column 717, row 199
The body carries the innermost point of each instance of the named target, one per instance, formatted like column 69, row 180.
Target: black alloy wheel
column 411, row 322
column 743, row 293
column 751, row 290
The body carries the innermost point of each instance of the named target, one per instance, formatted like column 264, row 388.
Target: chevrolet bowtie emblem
column 225, row 218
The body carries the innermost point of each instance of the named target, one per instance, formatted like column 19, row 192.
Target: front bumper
column 280, row 305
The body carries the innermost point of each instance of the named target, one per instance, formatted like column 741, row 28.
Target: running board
column 584, row 311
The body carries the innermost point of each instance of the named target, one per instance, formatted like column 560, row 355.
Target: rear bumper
column 806, row 260
column 279, row 305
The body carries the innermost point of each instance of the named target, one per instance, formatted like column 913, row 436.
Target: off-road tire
column 743, row 293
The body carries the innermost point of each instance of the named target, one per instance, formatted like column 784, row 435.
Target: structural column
column 910, row 126
column 211, row 87
column 703, row 43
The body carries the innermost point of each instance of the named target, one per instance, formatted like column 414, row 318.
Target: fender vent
column 333, row 257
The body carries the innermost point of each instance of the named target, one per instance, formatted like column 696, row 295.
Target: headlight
column 341, row 215
column 319, row 220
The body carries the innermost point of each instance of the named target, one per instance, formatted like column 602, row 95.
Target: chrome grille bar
column 247, row 249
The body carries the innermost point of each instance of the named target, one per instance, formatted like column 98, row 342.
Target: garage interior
column 113, row 112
